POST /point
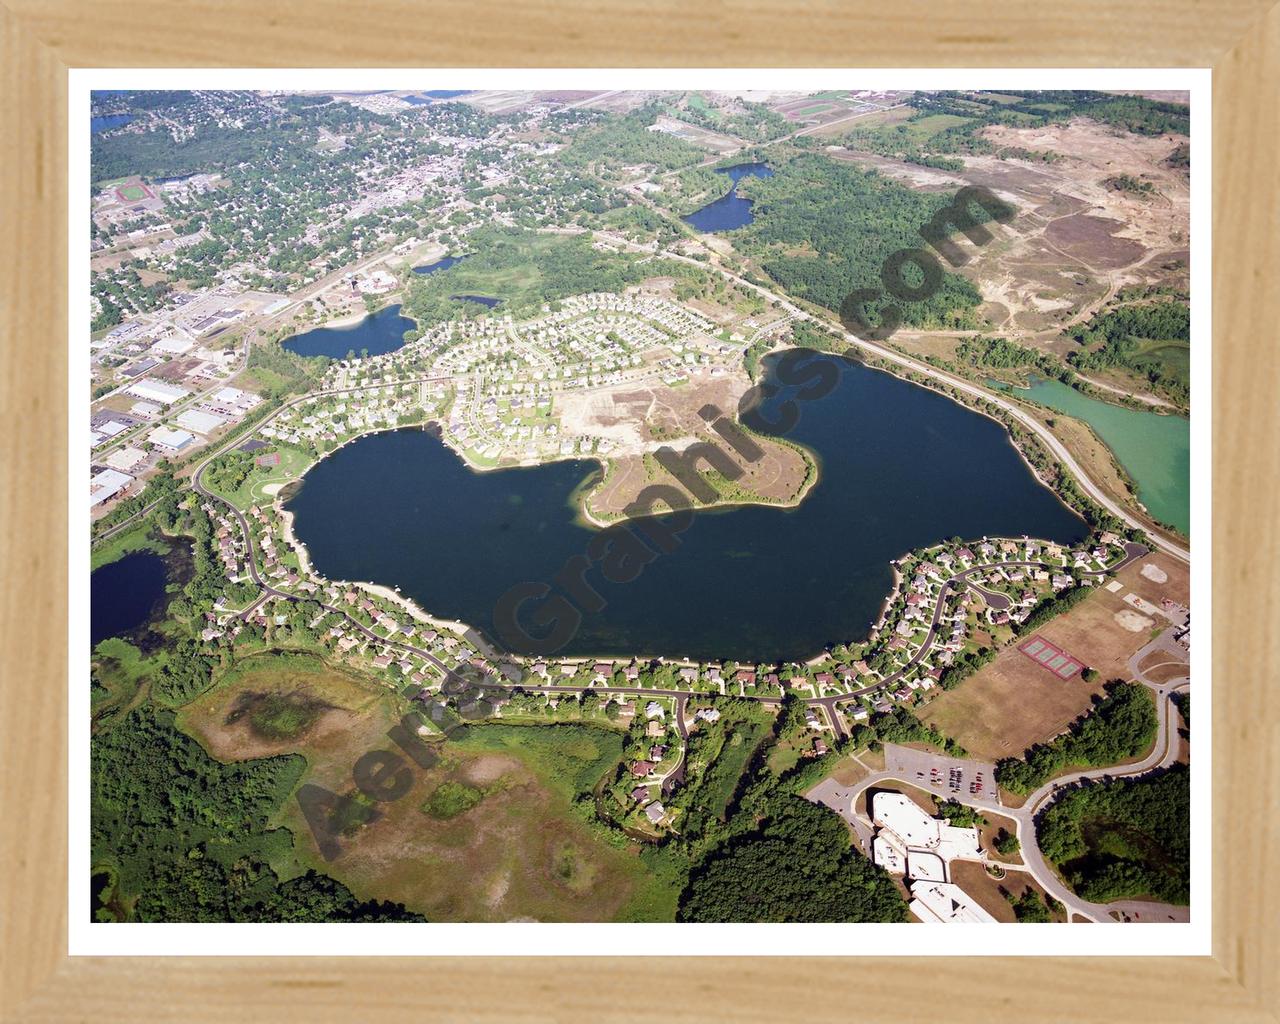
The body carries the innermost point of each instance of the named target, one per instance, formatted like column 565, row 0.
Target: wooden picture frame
column 41, row 39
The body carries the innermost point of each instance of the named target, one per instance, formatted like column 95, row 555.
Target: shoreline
column 585, row 514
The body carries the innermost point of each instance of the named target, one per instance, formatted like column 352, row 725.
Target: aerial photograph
column 646, row 505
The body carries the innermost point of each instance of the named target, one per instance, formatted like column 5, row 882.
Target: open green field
column 1171, row 358
column 925, row 128
column 696, row 102
column 121, row 677
column 262, row 482
column 137, row 538
column 523, row 269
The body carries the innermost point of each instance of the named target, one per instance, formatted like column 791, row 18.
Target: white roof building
column 145, row 409
column 156, row 391
column 174, row 440
column 174, row 345
column 924, row 866
column 886, row 853
column 944, row 903
column 126, row 458
column 905, row 819
column 199, row 421
column 107, row 484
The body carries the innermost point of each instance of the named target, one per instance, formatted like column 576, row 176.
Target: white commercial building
column 156, row 391
column 199, row 421
column 944, row 903
column 107, row 484
column 905, row 818
column 147, row 410
column 126, row 459
column 174, row 345
column 173, row 440
column 913, row 843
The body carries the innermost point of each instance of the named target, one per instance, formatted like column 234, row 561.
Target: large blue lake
column 376, row 334
column 902, row 467
column 730, row 210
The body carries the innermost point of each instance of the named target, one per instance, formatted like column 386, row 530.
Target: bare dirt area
column 989, row 893
column 776, row 477
column 1159, row 669
column 269, row 706
column 1156, row 577
column 640, row 419
column 1093, row 241
column 924, row 178
column 1078, row 238
column 175, row 369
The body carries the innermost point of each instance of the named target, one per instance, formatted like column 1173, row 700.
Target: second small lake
column 1154, row 450
column 730, row 210
column 375, row 335
column 124, row 594
column 444, row 263
column 105, row 122
column 484, row 300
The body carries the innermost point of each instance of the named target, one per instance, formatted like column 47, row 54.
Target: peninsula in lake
column 554, row 506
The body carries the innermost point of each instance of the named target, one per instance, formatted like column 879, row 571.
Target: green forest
column 823, row 229
column 797, row 864
column 1121, row 726
column 526, row 269
column 181, row 837
column 1125, row 839
column 1151, row 340
column 621, row 141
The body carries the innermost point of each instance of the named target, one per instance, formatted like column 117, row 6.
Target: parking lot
column 945, row 777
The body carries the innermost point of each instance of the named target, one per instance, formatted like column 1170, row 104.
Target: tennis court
column 1051, row 657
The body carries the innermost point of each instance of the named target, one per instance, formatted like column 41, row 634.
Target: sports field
column 133, row 193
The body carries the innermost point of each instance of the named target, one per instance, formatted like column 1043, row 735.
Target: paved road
column 1055, row 446
column 1164, row 753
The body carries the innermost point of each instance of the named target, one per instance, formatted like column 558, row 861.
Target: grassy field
column 1009, row 705
column 927, row 127
column 490, row 833
column 260, row 485
column 1013, row 702
column 121, row 677
column 136, row 538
